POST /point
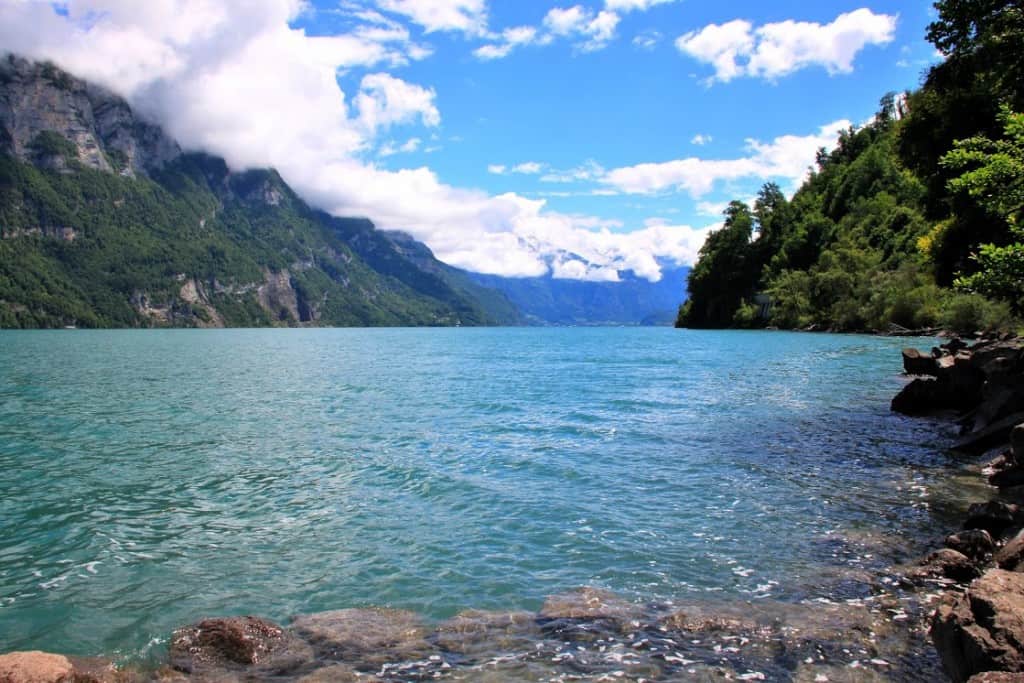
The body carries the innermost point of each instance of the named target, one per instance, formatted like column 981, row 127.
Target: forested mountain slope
column 104, row 222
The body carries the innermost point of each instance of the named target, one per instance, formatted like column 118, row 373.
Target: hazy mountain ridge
column 631, row 301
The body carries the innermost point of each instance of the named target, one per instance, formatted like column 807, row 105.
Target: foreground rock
column 237, row 643
column 45, row 667
column 983, row 629
column 35, row 667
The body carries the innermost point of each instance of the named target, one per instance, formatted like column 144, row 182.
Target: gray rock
column 994, row 516
column 105, row 133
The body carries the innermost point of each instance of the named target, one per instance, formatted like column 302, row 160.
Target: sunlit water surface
column 150, row 478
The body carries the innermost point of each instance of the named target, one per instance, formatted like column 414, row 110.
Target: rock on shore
column 979, row 630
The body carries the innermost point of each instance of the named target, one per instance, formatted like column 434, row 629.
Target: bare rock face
column 104, row 132
column 983, row 629
column 233, row 643
column 36, row 667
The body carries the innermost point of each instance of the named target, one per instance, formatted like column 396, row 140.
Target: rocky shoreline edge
column 868, row 625
column 978, row 626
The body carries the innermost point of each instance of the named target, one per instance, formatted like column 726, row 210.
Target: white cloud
column 700, row 139
column 528, row 168
column 589, row 170
column 647, row 40
column 497, row 169
column 630, row 5
column 787, row 157
column 511, row 38
column 232, row 78
column 595, row 31
column 384, row 101
column 738, row 49
column 389, row 148
column 468, row 16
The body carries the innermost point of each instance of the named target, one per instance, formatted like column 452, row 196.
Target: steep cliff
column 105, row 222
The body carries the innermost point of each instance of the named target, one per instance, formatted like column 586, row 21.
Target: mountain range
column 106, row 222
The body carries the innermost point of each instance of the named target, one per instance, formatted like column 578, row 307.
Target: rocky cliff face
column 36, row 99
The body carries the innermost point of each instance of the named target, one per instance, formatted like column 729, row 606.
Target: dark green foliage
column 94, row 249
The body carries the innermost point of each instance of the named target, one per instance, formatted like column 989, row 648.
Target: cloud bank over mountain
column 236, row 78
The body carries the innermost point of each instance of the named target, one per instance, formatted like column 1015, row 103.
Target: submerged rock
column 474, row 632
column 982, row 629
column 231, row 643
column 365, row 637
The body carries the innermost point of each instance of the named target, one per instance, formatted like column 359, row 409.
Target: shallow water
column 151, row 478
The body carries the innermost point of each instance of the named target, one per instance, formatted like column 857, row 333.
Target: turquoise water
column 150, row 478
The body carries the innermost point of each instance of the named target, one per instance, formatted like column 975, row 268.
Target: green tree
column 992, row 176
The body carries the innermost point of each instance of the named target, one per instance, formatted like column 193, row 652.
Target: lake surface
column 150, row 478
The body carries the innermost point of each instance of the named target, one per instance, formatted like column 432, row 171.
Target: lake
column 150, row 478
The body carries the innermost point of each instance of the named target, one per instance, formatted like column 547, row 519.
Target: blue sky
column 516, row 137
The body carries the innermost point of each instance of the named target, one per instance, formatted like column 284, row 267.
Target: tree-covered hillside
column 898, row 225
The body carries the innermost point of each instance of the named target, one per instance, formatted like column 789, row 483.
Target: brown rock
column 974, row 543
column 983, row 629
column 1011, row 556
column 947, row 564
column 230, row 643
column 35, row 667
column 997, row 677
column 922, row 397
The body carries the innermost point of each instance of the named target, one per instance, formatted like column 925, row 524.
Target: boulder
column 918, row 363
column 946, row 564
column 234, row 643
column 994, row 516
column 991, row 436
column 922, row 397
column 36, row 667
column 1017, row 441
column 1011, row 556
column 983, row 629
column 976, row 544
